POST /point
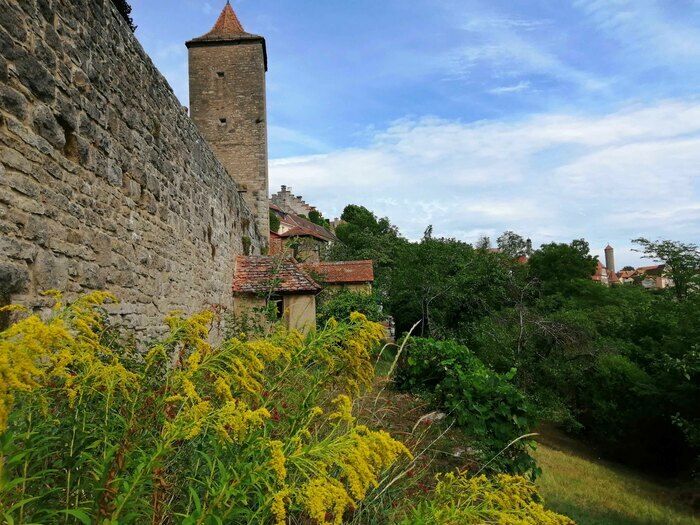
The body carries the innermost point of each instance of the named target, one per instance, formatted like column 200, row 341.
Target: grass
column 597, row 493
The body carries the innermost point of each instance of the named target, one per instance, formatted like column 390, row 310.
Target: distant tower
column 610, row 258
column 227, row 103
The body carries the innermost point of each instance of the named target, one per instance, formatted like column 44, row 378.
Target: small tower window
column 220, row 74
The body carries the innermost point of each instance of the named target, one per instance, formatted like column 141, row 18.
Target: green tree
column 274, row 222
column 513, row 245
column 563, row 262
column 316, row 217
column 682, row 262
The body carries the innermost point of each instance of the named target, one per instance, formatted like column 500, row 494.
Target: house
column 300, row 237
column 653, row 277
column 355, row 276
column 261, row 279
column 605, row 276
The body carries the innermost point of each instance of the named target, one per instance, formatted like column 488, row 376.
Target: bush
column 246, row 431
column 274, row 222
column 125, row 10
column 339, row 306
column 461, row 500
column 484, row 403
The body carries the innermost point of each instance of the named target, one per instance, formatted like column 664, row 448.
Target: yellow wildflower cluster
column 65, row 349
column 355, row 463
column 278, row 460
column 279, row 506
column 323, row 497
column 503, row 500
column 343, row 412
column 232, row 421
column 352, row 360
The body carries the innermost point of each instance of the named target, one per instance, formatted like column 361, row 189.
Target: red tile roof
column 227, row 24
column 258, row 273
column 343, row 272
column 227, row 29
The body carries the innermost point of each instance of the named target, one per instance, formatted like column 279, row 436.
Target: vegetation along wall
column 105, row 183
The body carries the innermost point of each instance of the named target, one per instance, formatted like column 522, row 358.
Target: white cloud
column 647, row 26
column 502, row 90
column 552, row 176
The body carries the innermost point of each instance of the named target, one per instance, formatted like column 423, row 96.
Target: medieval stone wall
column 105, row 182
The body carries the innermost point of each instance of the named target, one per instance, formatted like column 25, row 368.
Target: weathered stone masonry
column 105, row 182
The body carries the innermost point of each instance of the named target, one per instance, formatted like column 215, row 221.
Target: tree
column 563, row 262
column 512, row 245
column 628, row 269
column 484, row 243
column 274, row 222
column 316, row 217
column 682, row 262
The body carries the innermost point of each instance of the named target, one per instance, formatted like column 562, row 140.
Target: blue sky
column 558, row 120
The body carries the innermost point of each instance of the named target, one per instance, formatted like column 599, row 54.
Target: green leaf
column 79, row 515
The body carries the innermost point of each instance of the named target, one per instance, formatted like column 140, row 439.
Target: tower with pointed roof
column 610, row 258
column 227, row 103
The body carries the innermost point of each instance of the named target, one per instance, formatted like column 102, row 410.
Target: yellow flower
column 278, row 460
column 279, row 506
column 343, row 411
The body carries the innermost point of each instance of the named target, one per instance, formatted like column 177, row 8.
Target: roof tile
column 258, row 273
column 343, row 271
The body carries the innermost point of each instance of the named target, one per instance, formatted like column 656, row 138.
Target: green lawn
column 596, row 493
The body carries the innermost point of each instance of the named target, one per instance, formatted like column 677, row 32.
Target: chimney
column 610, row 258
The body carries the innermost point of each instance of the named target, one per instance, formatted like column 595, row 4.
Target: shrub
column 484, row 403
column 125, row 10
column 245, row 431
column 274, row 222
column 461, row 500
column 340, row 305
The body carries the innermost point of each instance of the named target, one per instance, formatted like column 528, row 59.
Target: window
column 222, row 120
column 220, row 74
column 278, row 301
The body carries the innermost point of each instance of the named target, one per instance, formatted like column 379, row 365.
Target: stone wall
column 105, row 182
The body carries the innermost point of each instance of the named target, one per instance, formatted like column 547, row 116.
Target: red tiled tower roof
column 227, row 25
column 228, row 30
column 258, row 273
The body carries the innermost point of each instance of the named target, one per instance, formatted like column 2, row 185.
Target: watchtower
column 227, row 103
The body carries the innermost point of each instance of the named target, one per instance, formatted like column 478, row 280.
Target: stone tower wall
column 105, row 182
column 227, row 103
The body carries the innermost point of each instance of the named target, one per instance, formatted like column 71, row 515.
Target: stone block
column 13, row 102
column 48, row 127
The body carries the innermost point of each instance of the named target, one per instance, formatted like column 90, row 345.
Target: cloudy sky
column 558, row 120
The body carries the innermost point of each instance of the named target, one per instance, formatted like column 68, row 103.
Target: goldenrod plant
column 262, row 430
column 247, row 431
column 459, row 499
